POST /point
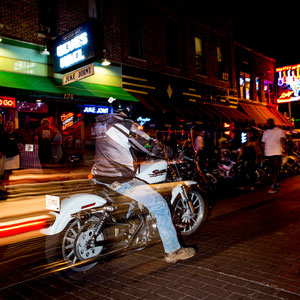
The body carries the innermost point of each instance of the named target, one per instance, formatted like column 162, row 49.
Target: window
column 171, row 45
column 268, row 91
column 245, row 86
column 199, row 57
column 47, row 17
column 221, row 61
column 136, row 45
column 257, row 89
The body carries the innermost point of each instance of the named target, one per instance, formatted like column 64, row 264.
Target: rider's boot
column 180, row 254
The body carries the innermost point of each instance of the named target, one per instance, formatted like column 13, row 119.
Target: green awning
column 47, row 85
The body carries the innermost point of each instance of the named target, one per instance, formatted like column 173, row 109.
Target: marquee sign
column 96, row 109
column 32, row 107
column 7, row 102
column 74, row 49
column 288, row 83
column 79, row 74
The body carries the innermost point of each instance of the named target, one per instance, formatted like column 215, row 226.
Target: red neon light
column 292, row 99
column 286, row 68
column 22, row 226
column 66, row 116
column 7, row 102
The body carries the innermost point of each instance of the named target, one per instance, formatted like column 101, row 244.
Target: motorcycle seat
column 105, row 192
column 116, row 198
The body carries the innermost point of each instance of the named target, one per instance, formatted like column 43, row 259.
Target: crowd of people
column 117, row 137
column 27, row 149
column 271, row 144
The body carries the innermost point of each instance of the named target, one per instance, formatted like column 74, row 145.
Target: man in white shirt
column 199, row 141
column 273, row 141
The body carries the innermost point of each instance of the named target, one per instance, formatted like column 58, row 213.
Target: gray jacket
column 117, row 140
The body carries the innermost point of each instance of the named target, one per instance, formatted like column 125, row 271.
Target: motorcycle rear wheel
column 189, row 222
column 60, row 251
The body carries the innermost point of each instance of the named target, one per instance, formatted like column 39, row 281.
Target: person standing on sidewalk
column 273, row 141
column 43, row 136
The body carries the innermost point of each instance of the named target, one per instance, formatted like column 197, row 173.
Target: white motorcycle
column 90, row 227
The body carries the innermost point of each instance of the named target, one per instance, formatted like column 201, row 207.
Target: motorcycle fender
column 70, row 205
column 177, row 189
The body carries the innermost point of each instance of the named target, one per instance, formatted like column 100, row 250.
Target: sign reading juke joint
column 74, row 49
column 79, row 74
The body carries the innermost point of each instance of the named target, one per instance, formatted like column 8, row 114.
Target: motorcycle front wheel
column 189, row 217
column 69, row 252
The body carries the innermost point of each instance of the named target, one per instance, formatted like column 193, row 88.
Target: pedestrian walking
column 273, row 141
column 43, row 136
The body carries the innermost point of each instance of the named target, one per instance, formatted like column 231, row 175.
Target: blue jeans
column 144, row 194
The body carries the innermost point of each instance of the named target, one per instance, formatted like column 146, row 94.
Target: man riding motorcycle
column 117, row 141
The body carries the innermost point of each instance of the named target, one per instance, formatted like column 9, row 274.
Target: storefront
column 288, row 87
column 28, row 94
column 7, row 107
column 178, row 105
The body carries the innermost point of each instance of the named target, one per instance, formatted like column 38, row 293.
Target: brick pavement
column 249, row 249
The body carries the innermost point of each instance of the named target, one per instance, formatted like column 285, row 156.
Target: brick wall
column 19, row 19
column 70, row 14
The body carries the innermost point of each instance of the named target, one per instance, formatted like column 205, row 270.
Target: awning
column 43, row 86
column 212, row 113
column 226, row 113
column 193, row 111
column 260, row 114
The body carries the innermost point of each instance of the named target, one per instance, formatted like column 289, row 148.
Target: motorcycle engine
column 148, row 233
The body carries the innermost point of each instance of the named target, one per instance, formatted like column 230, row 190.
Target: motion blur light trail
column 23, row 212
column 22, row 225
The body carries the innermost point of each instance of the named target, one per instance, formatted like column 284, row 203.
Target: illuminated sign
column 95, row 109
column 289, row 83
column 67, row 120
column 74, row 48
column 78, row 74
column 244, row 137
column 143, row 121
column 8, row 102
column 33, row 107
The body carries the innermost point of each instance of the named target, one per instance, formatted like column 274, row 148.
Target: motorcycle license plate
column 52, row 202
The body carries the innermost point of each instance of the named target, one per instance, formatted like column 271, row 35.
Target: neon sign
column 143, row 121
column 74, row 48
column 7, row 102
column 94, row 109
column 70, row 52
column 67, row 120
column 244, row 137
column 289, row 83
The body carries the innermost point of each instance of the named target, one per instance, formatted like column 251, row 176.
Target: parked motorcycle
column 92, row 227
column 188, row 167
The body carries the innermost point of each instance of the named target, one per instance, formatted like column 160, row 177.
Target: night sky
column 269, row 29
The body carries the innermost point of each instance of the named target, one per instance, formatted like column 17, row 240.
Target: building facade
column 179, row 59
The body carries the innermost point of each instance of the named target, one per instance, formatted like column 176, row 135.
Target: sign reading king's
column 76, row 48
column 288, row 83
